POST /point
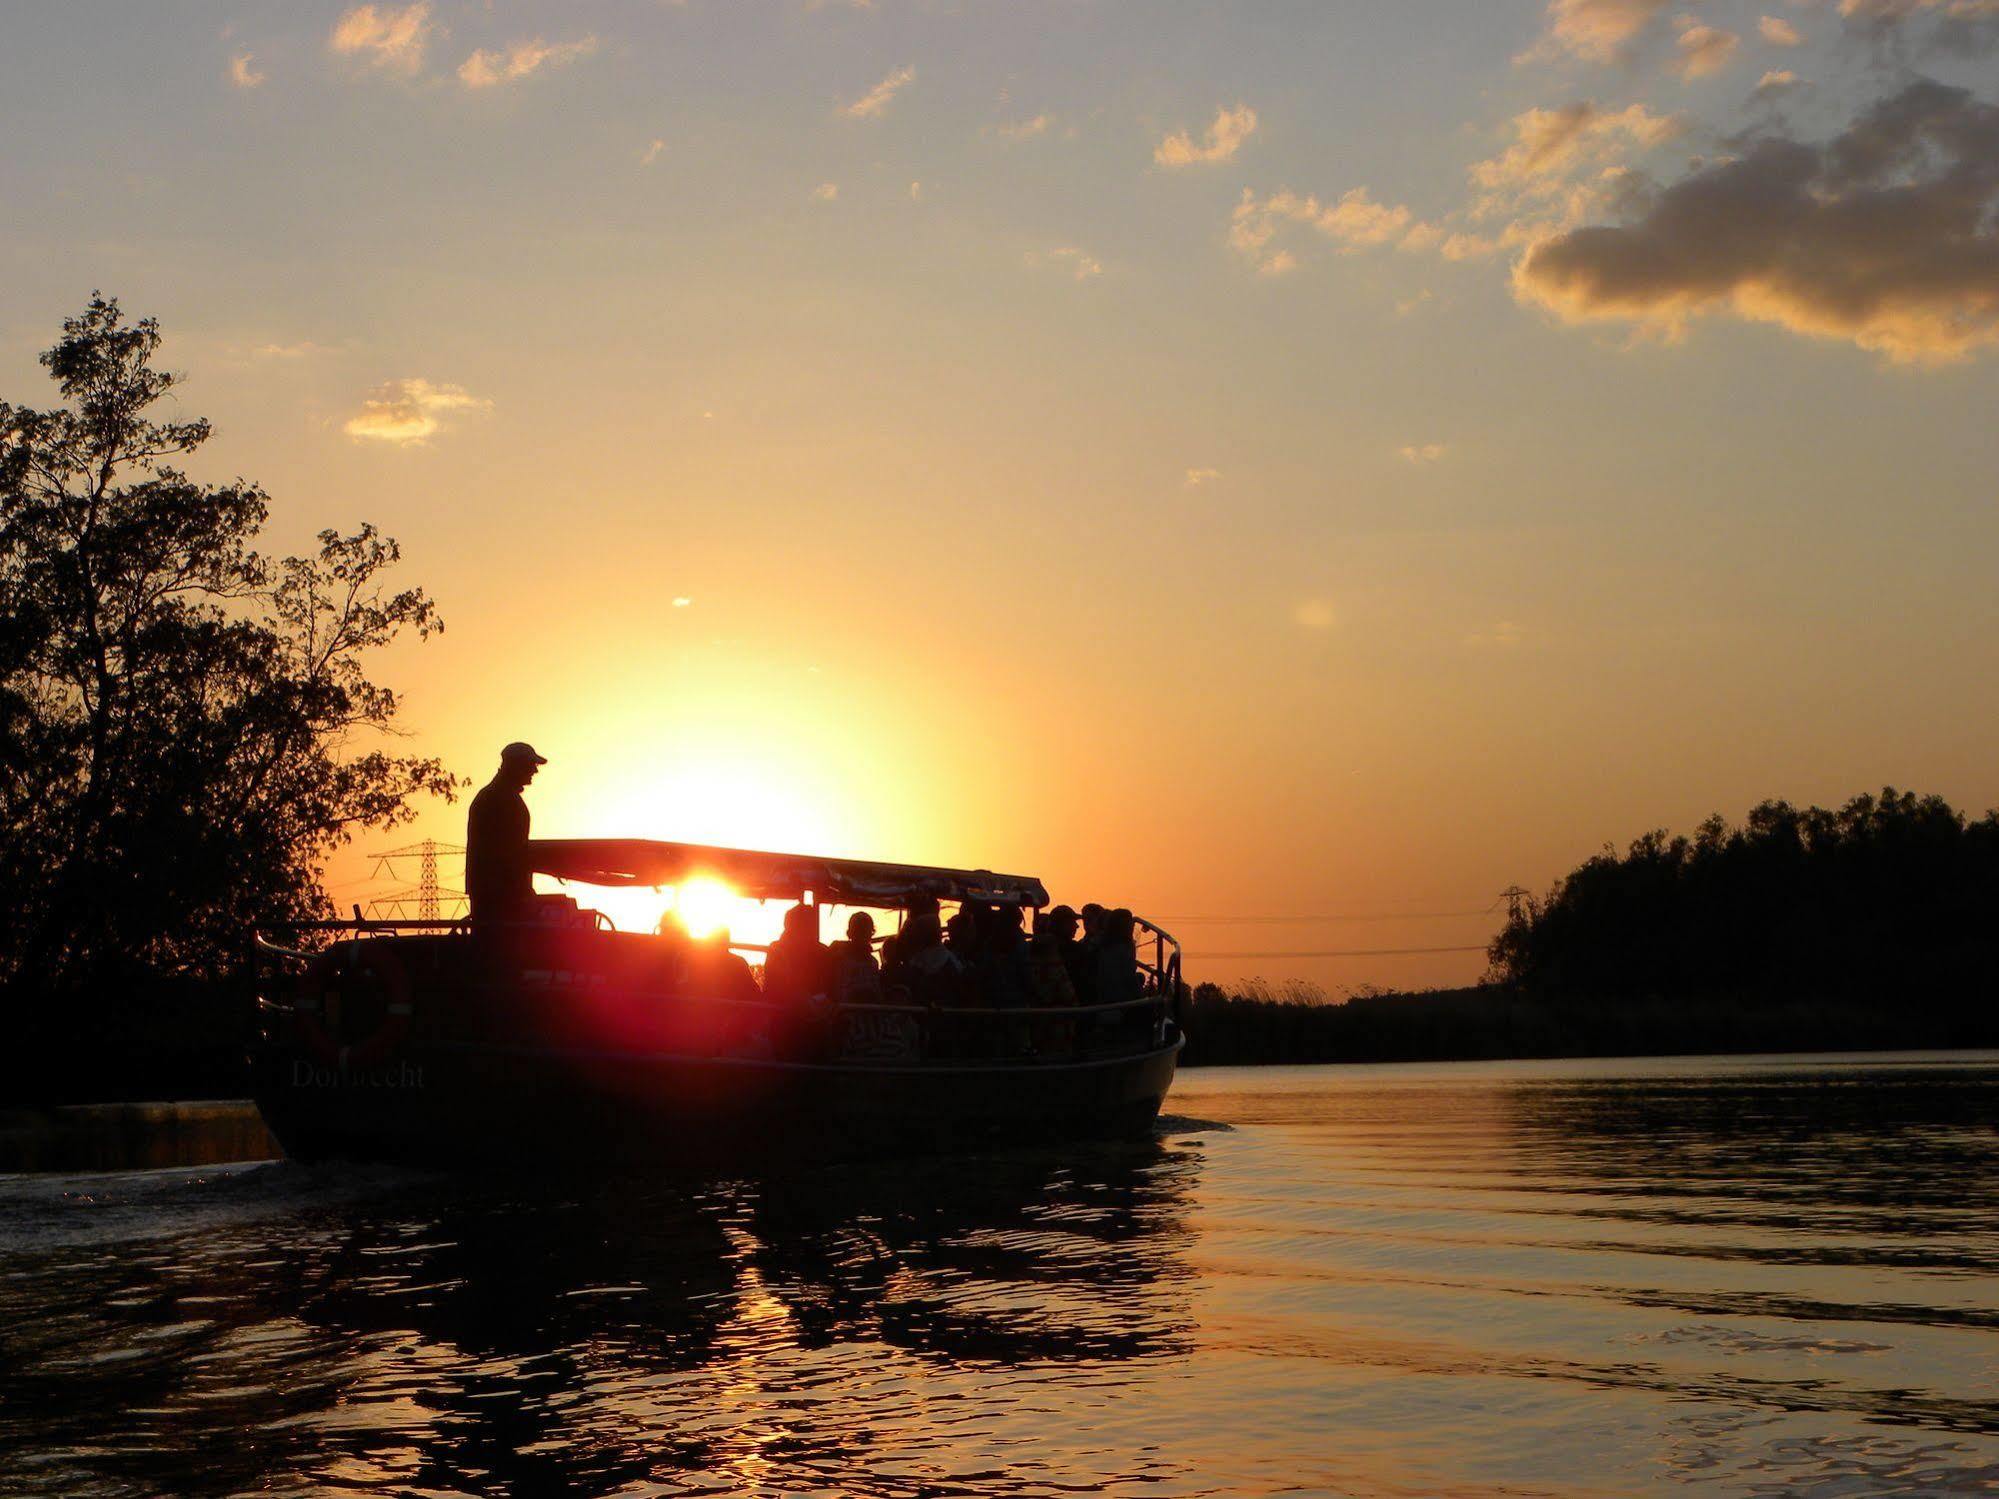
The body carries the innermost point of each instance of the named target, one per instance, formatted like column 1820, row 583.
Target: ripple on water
column 1640, row 1278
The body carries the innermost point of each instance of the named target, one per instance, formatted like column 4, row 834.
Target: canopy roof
column 847, row 882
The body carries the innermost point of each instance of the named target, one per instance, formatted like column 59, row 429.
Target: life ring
column 322, row 981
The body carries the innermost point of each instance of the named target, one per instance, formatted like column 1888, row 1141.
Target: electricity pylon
column 427, row 897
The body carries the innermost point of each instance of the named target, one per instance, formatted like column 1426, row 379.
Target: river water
column 1698, row 1275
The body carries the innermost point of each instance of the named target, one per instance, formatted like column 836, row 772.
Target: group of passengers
column 982, row 958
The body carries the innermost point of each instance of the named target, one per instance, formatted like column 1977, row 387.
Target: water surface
column 1747, row 1276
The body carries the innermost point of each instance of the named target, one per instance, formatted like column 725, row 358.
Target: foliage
column 1866, row 928
column 185, row 725
column 1890, row 898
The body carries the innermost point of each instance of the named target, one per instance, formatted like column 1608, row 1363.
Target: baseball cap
column 521, row 750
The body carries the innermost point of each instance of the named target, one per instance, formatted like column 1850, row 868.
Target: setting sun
column 707, row 906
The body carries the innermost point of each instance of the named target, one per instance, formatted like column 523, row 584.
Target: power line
column 1342, row 952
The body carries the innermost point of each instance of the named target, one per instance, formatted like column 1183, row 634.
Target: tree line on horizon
column 1891, row 897
column 1867, row 926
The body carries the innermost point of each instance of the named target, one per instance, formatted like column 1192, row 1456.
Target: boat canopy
column 763, row 876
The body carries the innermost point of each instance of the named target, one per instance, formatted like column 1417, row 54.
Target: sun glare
column 705, row 906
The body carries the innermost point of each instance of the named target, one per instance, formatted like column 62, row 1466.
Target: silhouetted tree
column 1890, row 899
column 185, row 725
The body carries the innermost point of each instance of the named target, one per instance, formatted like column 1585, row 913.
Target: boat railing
column 1145, row 1001
column 1157, row 963
column 1159, row 970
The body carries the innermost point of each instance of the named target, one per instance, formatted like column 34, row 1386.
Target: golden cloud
column 1595, row 30
column 1701, row 50
column 875, row 101
column 407, row 412
column 1355, row 220
column 490, row 67
column 1078, row 262
column 1224, row 137
column 1553, row 143
column 1885, row 236
column 389, row 37
column 1021, row 130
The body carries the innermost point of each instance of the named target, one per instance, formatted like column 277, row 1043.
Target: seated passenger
column 671, row 954
column 714, row 971
column 1117, row 959
column 1059, row 926
column 936, row 976
column 798, row 965
column 1053, row 988
column 1004, row 971
column 1084, row 960
column 1048, row 956
column 961, row 936
column 856, row 975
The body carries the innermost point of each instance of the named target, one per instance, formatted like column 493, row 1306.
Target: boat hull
column 470, row 1101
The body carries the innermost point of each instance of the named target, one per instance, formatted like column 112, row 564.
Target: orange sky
column 1309, row 461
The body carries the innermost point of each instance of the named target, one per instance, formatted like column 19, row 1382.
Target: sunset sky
column 1325, row 460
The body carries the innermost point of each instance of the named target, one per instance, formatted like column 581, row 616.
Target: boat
column 556, row 1037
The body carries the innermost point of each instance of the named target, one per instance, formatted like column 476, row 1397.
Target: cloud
column 1022, row 130
column 1079, row 263
column 1775, row 82
column 1594, row 30
column 406, row 412
column 490, row 67
column 243, row 73
column 875, row 101
column 304, row 349
column 1955, row 26
column 1896, row 10
column 1224, row 137
column 1885, row 236
column 1420, row 453
column 1549, row 144
column 1355, row 220
column 1702, row 50
column 1196, row 477
column 652, row 152
column 389, row 37
column 1562, row 166
column 826, row 192
column 1779, row 32
column 1315, row 614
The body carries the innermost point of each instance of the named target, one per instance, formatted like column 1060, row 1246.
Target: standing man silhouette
column 497, row 877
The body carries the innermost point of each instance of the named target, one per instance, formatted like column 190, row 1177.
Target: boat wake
column 61, row 1210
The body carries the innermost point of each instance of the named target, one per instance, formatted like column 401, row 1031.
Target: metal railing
column 1157, row 960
